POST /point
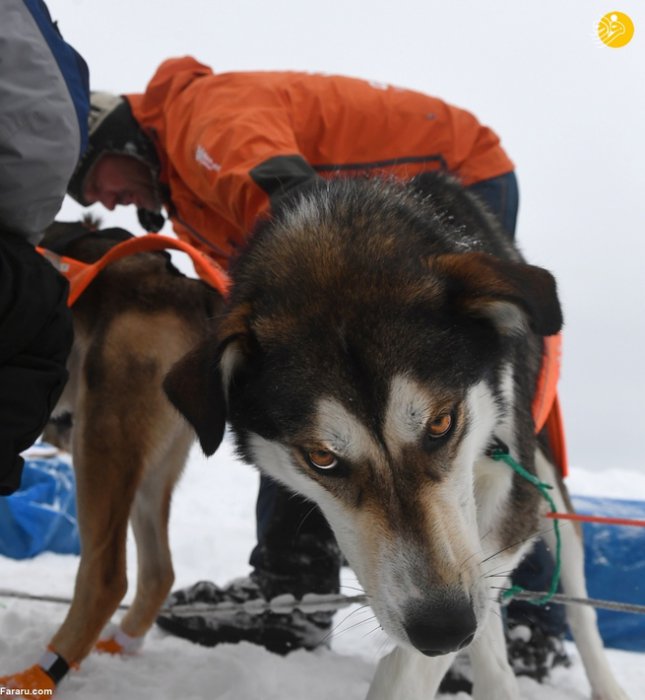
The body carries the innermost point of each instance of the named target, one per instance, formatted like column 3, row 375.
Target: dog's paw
column 114, row 640
column 32, row 683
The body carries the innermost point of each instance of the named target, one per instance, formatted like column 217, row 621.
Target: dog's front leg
column 582, row 620
column 493, row 676
column 408, row 674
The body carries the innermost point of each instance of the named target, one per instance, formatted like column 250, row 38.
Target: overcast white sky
column 569, row 110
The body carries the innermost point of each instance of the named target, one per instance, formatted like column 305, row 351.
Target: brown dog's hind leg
column 149, row 520
column 108, row 468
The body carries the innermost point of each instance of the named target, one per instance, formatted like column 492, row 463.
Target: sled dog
column 378, row 339
column 129, row 444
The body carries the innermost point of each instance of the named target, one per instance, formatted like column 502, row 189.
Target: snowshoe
column 249, row 617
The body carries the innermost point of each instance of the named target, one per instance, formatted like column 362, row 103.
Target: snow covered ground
column 212, row 534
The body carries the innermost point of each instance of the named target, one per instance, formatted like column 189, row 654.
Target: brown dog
column 129, row 444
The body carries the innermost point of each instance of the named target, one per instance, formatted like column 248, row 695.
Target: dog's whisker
column 469, row 557
column 304, row 518
column 517, row 543
column 495, row 612
column 383, row 645
column 372, row 631
column 498, row 569
column 484, row 536
column 354, row 624
column 360, row 609
column 344, row 631
column 357, row 589
column 513, row 545
column 537, row 533
column 337, row 631
column 503, row 574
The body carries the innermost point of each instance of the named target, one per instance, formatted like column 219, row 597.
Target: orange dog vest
column 80, row 274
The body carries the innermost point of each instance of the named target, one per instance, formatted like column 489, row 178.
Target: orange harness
column 545, row 407
column 81, row 274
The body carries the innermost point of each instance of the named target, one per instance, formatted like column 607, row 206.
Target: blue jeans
column 501, row 196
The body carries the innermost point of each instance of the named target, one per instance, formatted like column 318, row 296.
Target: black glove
column 151, row 221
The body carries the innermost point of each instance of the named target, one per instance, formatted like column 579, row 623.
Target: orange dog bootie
column 41, row 679
column 115, row 641
column 33, row 682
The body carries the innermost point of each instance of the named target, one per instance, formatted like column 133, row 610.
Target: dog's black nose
column 436, row 629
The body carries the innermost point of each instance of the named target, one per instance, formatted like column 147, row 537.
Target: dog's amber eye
column 322, row 459
column 440, row 425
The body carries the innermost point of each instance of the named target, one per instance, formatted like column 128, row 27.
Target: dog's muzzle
column 436, row 629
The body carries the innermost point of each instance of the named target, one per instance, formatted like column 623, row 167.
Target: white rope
column 593, row 602
column 317, row 603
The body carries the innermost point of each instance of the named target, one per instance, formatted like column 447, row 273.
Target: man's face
column 120, row 179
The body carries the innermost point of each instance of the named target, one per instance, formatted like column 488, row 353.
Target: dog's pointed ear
column 197, row 385
column 507, row 293
column 194, row 387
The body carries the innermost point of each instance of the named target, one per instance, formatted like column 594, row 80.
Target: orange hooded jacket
column 229, row 142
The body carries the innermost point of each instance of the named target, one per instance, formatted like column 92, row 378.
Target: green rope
column 499, row 454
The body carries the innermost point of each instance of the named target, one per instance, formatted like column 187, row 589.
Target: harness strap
column 555, row 430
column 546, row 410
column 80, row 275
column 545, row 391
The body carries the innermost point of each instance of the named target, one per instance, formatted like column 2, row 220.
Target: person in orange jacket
column 215, row 151
column 217, row 147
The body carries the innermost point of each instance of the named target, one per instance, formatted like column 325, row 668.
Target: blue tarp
column 615, row 568
column 41, row 515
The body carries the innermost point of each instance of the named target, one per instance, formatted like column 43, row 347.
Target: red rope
column 596, row 519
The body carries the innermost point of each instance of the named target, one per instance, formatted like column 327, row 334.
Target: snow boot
column 248, row 619
column 533, row 652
